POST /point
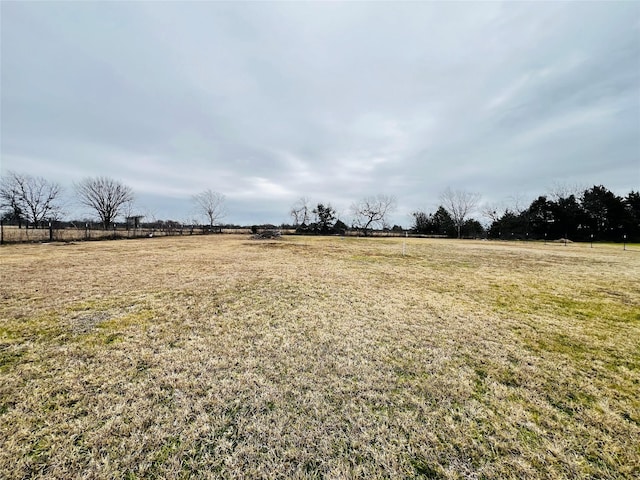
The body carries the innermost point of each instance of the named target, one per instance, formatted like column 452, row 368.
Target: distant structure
column 134, row 222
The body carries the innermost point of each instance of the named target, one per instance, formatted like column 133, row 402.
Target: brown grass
column 221, row 357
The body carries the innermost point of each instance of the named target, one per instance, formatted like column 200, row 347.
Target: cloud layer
column 268, row 102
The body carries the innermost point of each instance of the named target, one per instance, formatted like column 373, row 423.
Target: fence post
column 1, row 232
column 50, row 232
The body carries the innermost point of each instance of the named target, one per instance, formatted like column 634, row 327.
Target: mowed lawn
column 225, row 357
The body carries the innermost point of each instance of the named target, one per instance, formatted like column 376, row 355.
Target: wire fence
column 88, row 231
column 14, row 234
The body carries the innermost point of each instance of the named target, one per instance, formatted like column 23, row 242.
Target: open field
column 223, row 357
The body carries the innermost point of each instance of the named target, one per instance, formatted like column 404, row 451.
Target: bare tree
column 372, row 211
column 104, row 195
column 561, row 190
column 10, row 199
column 32, row 198
column 519, row 203
column 300, row 212
column 211, row 205
column 493, row 211
column 460, row 205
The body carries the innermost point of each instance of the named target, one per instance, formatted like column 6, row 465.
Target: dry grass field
column 224, row 357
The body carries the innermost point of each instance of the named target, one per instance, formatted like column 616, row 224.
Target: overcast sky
column 269, row 102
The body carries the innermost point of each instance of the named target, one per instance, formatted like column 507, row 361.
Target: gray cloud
column 268, row 102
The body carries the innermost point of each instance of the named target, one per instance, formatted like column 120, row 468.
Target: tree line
column 27, row 200
column 594, row 213
column 367, row 214
column 370, row 213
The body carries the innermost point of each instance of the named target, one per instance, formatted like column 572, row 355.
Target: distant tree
column 438, row 223
column 211, row 205
column 104, row 195
column 605, row 211
column 517, row 203
column 300, row 212
column 568, row 215
column 10, row 201
column 422, row 222
column 632, row 205
column 473, row 228
column 371, row 211
column 325, row 215
column 509, row 226
column 340, row 227
column 632, row 202
column 492, row 211
column 460, row 205
column 443, row 224
column 31, row 198
column 559, row 190
column 540, row 215
column 9, row 216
